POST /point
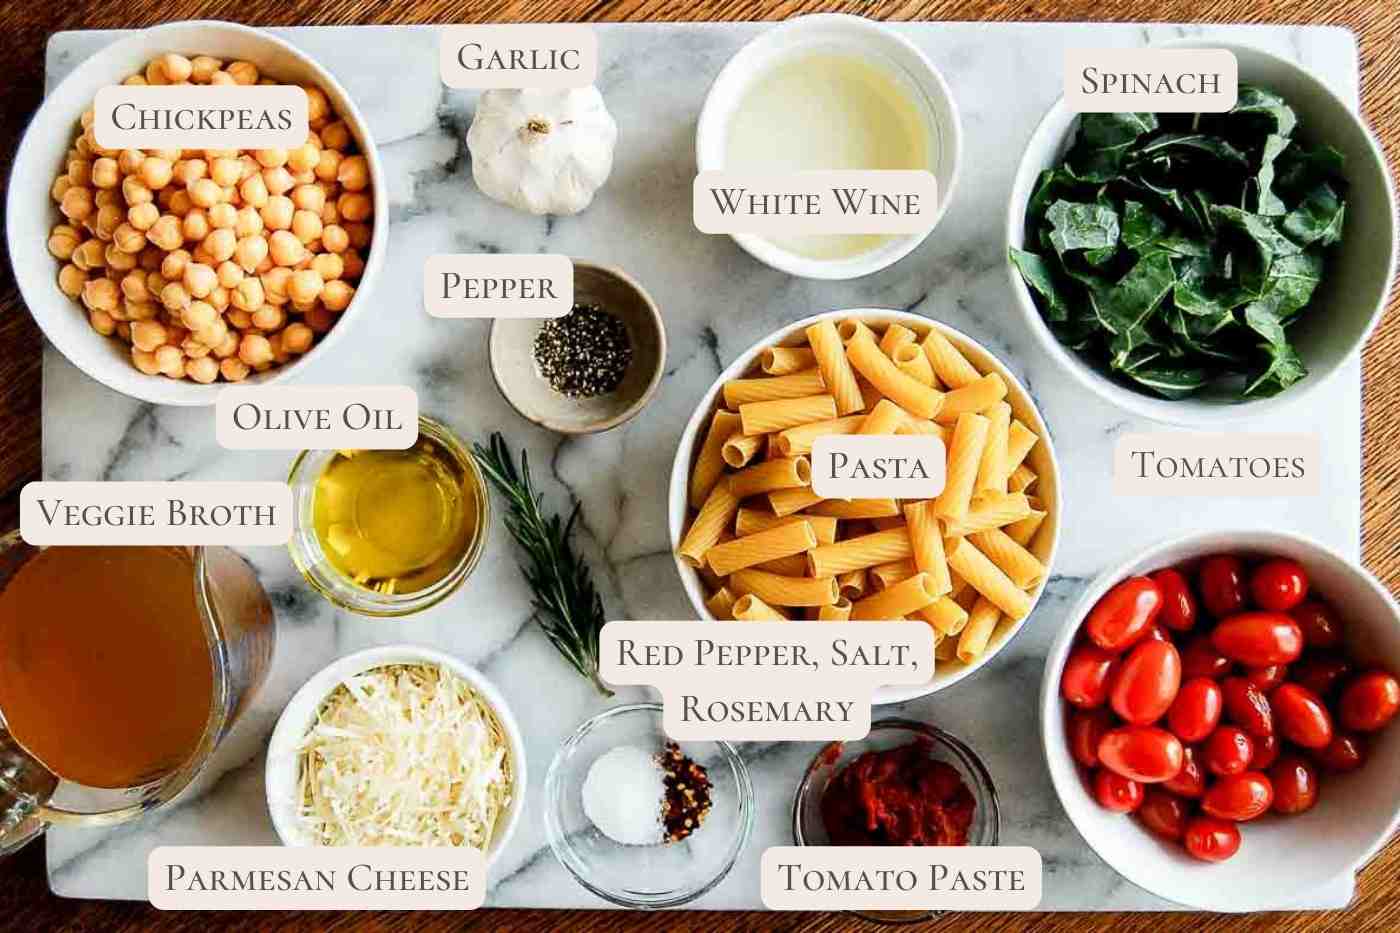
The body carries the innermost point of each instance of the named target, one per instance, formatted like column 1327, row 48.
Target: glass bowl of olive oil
column 389, row 532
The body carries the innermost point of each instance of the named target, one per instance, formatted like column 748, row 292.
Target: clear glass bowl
column 807, row 826
column 327, row 580
column 645, row 876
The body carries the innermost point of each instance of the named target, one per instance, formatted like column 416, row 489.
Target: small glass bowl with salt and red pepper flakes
column 905, row 783
column 643, row 821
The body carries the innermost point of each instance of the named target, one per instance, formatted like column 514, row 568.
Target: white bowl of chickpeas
column 165, row 274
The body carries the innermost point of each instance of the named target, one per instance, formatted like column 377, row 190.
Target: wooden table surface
column 25, row 901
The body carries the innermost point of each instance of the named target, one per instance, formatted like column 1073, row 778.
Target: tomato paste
column 898, row 797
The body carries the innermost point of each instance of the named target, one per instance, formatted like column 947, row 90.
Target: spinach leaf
column 1260, row 229
column 1212, row 146
column 1301, row 170
column 1267, row 202
column 1104, row 140
column 1141, row 227
column 1318, row 219
column 1282, row 368
column 1038, row 276
column 1262, row 108
column 1171, row 382
column 1081, row 226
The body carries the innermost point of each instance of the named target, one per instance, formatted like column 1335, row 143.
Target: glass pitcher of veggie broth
column 121, row 669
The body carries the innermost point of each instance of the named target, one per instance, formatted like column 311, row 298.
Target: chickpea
column 156, row 172
column 234, row 369
column 230, row 273
column 199, row 279
column 194, row 350
column 80, row 172
column 334, row 238
column 194, row 226
column 175, row 297
column 248, row 222
column 304, row 157
column 254, row 191
column 144, row 360
column 77, row 203
column 143, row 216
column 140, row 310
column 274, row 283
column 221, row 78
column 89, row 255
column 337, row 294
column 163, row 198
column 133, row 286
column 353, row 174
column 200, row 254
column 108, row 219
column 134, row 191
column 277, row 213
column 165, row 232
column 269, row 317
column 278, row 180
column 215, row 335
column 151, row 258
column 270, row 158
column 354, row 207
column 239, row 318
column 328, row 266
column 220, row 245
column 155, row 282
column 102, row 322
column 305, row 286
column 306, row 226
column 244, row 73
column 297, row 338
column 60, row 185
column 173, row 266
column 285, row 249
column 177, row 67
column 250, row 251
column 248, row 294
column 200, row 315
column 129, row 239
column 63, row 239
column 205, row 192
column 100, row 294
column 104, row 197
column 226, row 171
column 203, row 369
column 117, row 260
column 222, row 216
column 71, row 280
column 309, row 197
column 354, row 265
column 105, row 173
column 219, row 298
column 228, row 346
column 318, row 319
column 202, row 67
column 189, row 171
column 171, row 361
column 335, row 136
column 254, row 349
column 147, row 335
column 328, row 168
column 129, row 160
column 318, row 108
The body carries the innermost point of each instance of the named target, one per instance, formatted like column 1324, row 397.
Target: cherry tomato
column 1301, row 717
column 1369, row 702
column 1195, row 712
column 1278, row 585
column 1267, row 677
column 1210, row 839
column 1086, row 727
column 1178, row 604
column 1320, row 673
column 1239, row 797
column 1221, row 579
column 1146, row 683
column 1141, row 753
column 1228, row 751
column 1266, row 750
column 1190, row 781
column 1122, row 616
column 1258, row 638
column 1085, row 681
column 1164, row 814
column 1295, row 784
column 1200, row 659
column 1344, row 753
column 1115, row 792
column 1319, row 624
column 1157, row 632
column 1247, row 707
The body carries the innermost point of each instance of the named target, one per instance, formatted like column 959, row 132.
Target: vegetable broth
column 106, row 675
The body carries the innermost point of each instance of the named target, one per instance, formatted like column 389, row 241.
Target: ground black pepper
column 584, row 353
column 687, row 800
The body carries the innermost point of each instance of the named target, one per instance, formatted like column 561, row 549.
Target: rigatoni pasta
column 966, row 563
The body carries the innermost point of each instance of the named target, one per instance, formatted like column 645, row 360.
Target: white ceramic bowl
column 296, row 720
column 31, row 213
column 1041, row 459
column 861, row 37
column 1345, row 308
column 1280, row 859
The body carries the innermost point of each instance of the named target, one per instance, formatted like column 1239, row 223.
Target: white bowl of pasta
column 742, row 470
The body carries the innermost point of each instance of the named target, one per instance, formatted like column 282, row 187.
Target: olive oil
column 395, row 521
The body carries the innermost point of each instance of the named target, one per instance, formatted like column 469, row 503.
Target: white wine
column 829, row 110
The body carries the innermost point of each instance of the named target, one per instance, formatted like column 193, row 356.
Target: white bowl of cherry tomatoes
column 1217, row 719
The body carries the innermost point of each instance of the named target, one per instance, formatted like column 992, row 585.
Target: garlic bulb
column 545, row 152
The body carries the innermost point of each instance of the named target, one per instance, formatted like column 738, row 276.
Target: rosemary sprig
column 566, row 603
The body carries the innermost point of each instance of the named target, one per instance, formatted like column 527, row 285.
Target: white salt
column 623, row 795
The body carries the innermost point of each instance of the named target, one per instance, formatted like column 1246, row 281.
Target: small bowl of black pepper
column 590, row 370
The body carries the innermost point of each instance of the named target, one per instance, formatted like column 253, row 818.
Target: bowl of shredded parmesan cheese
column 396, row 746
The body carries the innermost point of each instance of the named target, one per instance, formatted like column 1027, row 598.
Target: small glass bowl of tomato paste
column 901, row 762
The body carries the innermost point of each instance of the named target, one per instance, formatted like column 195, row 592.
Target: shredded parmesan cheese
column 404, row 755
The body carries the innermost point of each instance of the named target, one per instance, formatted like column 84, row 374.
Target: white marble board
column 716, row 301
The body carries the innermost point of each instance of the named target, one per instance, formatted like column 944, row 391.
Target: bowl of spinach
column 1194, row 268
